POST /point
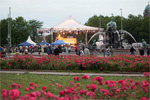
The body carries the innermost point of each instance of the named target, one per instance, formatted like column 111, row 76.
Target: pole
column 121, row 27
column 9, row 26
column 86, row 38
column 44, row 36
column 121, row 19
column 51, row 36
column 9, row 30
column 100, row 21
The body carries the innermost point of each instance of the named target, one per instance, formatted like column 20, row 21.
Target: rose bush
column 98, row 89
column 73, row 62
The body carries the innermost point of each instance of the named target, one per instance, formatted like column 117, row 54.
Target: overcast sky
column 52, row 12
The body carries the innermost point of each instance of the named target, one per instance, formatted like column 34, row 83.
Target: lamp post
column 100, row 21
column 121, row 19
column 9, row 30
column 9, row 27
column 121, row 27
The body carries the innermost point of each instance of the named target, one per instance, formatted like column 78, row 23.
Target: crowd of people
column 141, row 50
column 52, row 49
column 57, row 49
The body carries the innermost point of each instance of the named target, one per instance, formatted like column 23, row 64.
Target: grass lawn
column 45, row 80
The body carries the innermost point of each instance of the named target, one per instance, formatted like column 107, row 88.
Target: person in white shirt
column 86, row 51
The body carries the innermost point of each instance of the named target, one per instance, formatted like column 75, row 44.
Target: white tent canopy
column 30, row 41
column 71, row 25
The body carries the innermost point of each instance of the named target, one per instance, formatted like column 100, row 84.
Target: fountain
column 110, row 37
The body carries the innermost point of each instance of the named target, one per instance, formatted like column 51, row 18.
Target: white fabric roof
column 71, row 25
column 30, row 41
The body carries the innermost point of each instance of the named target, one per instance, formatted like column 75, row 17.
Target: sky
column 52, row 12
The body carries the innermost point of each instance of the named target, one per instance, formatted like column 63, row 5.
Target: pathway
column 70, row 73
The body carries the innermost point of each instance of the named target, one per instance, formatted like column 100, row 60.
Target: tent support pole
column 51, row 37
column 44, row 36
column 86, row 39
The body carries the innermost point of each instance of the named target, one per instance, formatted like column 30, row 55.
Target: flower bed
column 73, row 62
column 98, row 89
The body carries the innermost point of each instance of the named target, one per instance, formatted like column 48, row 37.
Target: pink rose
column 93, row 87
column 19, row 85
column 35, row 85
column 85, row 77
column 30, row 84
column 143, row 98
column 33, row 94
column 76, row 78
column 26, row 89
column 4, row 93
column 61, row 92
column 50, row 94
column 43, row 87
column 14, row 93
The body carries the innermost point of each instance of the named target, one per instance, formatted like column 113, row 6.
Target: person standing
column 111, row 51
column 86, row 51
column 76, row 49
column 56, row 50
column 141, row 51
column 39, row 49
column 49, row 50
column 103, row 50
column 60, row 48
column 148, row 51
column 81, row 52
column 69, row 49
column 108, row 51
column 132, row 50
column 26, row 51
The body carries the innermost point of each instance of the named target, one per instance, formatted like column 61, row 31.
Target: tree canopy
column 20, row 30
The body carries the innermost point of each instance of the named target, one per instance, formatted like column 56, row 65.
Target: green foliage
column 33, row 26
column 20, row 30
column 4, row 31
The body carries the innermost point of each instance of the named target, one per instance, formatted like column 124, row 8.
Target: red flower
column 143, row 98
column 32, row 98
column 30, row 84
column 76, row 78
column 14, row 85
column 43, row 87
column 87, row 86
column 88, row 93
column 61, row 92
column 31, row 87
column 26, row 89
column 14, row 93
column 146, row 74
column 4, row 93
column 19, row 85
column 50, row 94
column 93, row 87
column 98, row 78
column 35, row 85
column 117, row 91
column 85, row 77
column 33, row 94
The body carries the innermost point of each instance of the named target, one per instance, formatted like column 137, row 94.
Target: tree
column 33, row 26
column 19, row 30
column 144, row 32
column 4, row 32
